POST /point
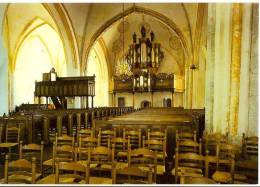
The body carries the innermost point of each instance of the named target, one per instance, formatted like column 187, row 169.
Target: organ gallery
column 129, row 93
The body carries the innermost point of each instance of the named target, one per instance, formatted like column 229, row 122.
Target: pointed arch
column 134, row 9
column 65, row 28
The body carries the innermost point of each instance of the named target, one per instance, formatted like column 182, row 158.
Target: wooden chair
column 75, row 176
column 159, row 147
column 64, row 140
column 135, row 137
column 156, row 134
column 32, row 150
column 105, row 136
column 20, row 171
column 189, row 146
column 100, row 161
column 12, row 138
column 185, row 135
column 248, row 164
column 62, row 153
column 86, row 132
column 132, row 175
column 210, row 141
column 188, row 164
column 67, row 173
column 84, row 144
column 101, row 154
column 12, row 134
column 250, row 147
column 121, row 148
column 98, row 156
column 225, row 163
column 143, row 158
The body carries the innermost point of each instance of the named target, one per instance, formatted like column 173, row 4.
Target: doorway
column 121, row 101
column 145, row 104
column 167, row 102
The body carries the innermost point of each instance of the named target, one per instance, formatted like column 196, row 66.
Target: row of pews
column 42, row 124
column 169, row 119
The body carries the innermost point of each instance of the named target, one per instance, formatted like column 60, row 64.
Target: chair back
column 71, row 173
column 64, row 140
column 32, row 150
column 211, row 140
column 101, row 154
column 189, row 163
column 144, row 158
column 225, row 158
column 157, row 146
column 63, row 153
column 228, row 151
column 12, row 134
column 135, row 137
column 21, row 167
column 86, row 132
column 121, row 144
column 186, row 135
column 86, row 144
column 189, row 146
column 105, row 136
column 156, row 134
column 250, row 147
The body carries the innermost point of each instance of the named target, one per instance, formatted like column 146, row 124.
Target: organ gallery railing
column 159, row 82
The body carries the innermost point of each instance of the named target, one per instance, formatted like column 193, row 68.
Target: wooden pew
column 171, row 119
column 42, row 120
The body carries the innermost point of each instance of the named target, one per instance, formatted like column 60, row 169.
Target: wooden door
column 121, row 101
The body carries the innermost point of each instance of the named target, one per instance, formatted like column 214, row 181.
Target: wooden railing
column 66, row 87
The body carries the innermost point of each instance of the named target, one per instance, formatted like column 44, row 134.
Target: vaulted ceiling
column 118, row 35
column 102, row 21
column 174, row 25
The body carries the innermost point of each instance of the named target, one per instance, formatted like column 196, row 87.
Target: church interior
column 129, row 93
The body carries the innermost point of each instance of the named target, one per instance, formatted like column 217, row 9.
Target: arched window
column 97, row 65
column 41, row 50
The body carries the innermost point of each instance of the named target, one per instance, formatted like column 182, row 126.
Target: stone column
column 235, row 67
column 209, row 87
column 190, row 91
column 218, row 67
column 253, row 75
column 244, row 71
column 186, row 88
